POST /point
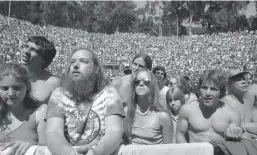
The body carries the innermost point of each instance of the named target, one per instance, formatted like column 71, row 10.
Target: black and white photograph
column 138, row 77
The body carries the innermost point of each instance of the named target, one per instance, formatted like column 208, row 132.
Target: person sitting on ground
column 209, row 119
column 37, row 54
column 21, row 120
column 83, row 117
column 147, row 121
column 242, row 97
column 175, row 99
column 123, row 83
column 160, row 74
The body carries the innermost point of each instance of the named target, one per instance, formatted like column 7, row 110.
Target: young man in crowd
column 83, row 117
column 37, row 54
column 160, row 74
column 209, row 119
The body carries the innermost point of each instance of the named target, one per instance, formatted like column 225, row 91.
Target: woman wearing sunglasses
column 141, row 61
column 147, row 122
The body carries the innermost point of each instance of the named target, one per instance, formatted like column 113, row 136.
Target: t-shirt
column 105, row 103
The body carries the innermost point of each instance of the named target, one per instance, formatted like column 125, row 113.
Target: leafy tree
column 112, row 16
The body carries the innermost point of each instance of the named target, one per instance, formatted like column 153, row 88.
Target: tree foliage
column 175, row 17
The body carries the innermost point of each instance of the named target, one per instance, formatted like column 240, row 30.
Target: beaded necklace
column 142, row 112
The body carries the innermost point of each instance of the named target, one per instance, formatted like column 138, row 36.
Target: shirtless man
column 242, row 97
column 37, row 54
column 123, row 83
column 209, row 119
column 160, row 74
column 250, row 125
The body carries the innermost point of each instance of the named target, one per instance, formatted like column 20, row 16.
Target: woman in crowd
column 147, row 123
column 175, row 98
column 21, row 120
column 123, row 84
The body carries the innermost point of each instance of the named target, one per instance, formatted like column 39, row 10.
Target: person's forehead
column 140, row 61
column 159, row 71
column 7, row 79
column 143, row 74
column 209, row 83
column 34, row 45
column 82, row 54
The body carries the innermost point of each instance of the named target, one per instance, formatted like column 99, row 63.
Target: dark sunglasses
column 146, row 82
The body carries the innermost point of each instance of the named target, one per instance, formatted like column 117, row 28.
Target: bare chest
column 218, row 123
column 41, row 90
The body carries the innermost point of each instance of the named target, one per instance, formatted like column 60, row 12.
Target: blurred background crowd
column 183, row 55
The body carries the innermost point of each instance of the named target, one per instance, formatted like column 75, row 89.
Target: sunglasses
column 146, row 82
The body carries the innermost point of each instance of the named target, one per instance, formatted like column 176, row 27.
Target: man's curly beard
column 80, row 89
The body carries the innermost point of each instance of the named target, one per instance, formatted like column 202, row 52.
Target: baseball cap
column 235, row 72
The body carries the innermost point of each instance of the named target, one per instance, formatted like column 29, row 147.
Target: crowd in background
column 180, row 55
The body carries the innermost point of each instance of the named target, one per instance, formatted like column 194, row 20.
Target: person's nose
column 141, row 83
column 76, row 65
column 26, row 52
column 172, row 103
column 11, row 92
column 136, row 67
column 208, row 92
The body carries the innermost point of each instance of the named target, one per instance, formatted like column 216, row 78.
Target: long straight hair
column 156, row 106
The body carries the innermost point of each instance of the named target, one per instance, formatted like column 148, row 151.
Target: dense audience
column 85, row 113
column 183, row 56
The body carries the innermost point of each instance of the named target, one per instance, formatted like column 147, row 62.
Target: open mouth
column 207, row 99
column 25, row 58
column 12, row 99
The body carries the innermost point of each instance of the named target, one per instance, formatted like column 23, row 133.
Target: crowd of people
column 180, row 55
column 57, row 95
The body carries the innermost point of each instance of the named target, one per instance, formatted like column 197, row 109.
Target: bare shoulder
column 252, row 89
column 186, row 109
column 41, row 108
column 41, row 112
column 164, row 116
column 227, row 99
column 230, row 110
column 54, row 81
column 121, row 81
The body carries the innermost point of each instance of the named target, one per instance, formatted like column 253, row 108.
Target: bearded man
column 83, row 117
